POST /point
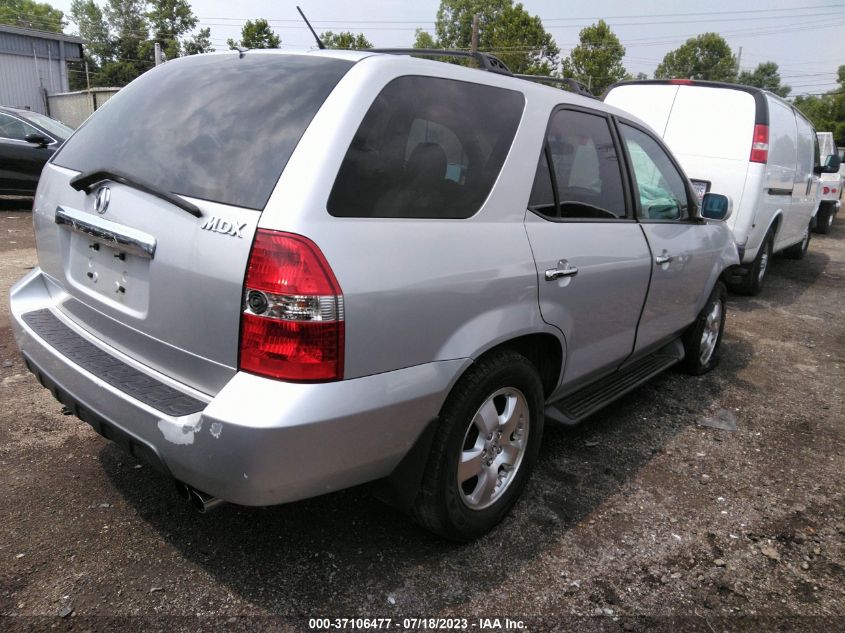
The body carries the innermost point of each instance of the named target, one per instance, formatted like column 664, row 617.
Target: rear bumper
column 257, row 441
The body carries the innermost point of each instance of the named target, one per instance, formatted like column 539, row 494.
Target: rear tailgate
column 216, row 130
column 177, row 311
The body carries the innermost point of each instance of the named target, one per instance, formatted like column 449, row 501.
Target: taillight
column 760, row 144
column 681, row 82
column 292, row 321
column 825, row 190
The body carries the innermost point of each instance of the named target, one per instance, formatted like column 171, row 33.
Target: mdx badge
column 101, row 202
column 219, row 225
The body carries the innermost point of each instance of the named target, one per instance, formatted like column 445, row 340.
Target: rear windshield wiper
column 87, row 180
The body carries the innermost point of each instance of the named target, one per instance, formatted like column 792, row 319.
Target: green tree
column 345, row 40
column 133, row 51
column 827, row 112
column 505, row 29
column 519, row 39
column 257, row 34
column 706, row 56
column 198, row 43
column 99, row 45
column 597, row 60
column 765, row 76
column 169, row 21
column 424, row 39
column 31, row 15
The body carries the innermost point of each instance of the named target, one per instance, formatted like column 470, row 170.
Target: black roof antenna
column 320, row 44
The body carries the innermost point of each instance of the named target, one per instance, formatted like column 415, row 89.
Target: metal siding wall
column 20, row 84
column 22, row 74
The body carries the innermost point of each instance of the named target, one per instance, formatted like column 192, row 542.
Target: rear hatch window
column 215, row 127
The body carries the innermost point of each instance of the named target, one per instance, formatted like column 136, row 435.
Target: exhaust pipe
column 200, row 501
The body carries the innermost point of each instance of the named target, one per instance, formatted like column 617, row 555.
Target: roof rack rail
column 571, row 84
column 486, row 61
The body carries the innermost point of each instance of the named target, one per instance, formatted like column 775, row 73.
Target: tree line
column 120, row 36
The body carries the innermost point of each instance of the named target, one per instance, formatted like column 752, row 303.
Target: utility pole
column 158, row 53
column 87, row 78
column 739, row 61
column 474, row 41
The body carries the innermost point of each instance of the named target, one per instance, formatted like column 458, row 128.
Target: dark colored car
column 27, row 141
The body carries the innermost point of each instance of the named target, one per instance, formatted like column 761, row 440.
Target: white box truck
column 831, row 186
column 744, row 142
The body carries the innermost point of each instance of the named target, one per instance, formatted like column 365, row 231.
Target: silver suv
column 275, row 275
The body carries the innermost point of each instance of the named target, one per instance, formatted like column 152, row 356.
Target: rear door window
column 217, row 127
column 585, row 168
column 427, row 148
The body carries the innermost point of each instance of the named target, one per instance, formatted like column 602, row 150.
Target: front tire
column 704, row 337
column 485, row 447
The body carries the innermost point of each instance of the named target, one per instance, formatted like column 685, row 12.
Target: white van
column 744, row 142
column 831, row 186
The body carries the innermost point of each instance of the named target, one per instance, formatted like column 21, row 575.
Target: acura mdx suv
column 273, row 275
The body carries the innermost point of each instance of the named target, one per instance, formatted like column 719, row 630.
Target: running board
column 587, row 400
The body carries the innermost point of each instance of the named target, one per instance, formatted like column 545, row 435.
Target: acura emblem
column 101, row 202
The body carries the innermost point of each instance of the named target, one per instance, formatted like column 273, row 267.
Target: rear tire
column 752, row 283
column 704, row 337
column 824, row 218
column 484, row 448
column 797, row 251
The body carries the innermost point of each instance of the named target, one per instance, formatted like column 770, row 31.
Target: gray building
column 33, row 64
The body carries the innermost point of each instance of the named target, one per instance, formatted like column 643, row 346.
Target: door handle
column 564, row 269
column 665, row 258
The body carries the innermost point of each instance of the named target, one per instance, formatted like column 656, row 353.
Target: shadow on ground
column 790, row 279
column 350, row 551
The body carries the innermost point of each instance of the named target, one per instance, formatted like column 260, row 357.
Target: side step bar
column 583, row 403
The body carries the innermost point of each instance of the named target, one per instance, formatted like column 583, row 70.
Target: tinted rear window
column 427, row 148
column 215, row 127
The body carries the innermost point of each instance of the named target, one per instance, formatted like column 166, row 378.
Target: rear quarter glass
column 428, row 147
column 215, row 127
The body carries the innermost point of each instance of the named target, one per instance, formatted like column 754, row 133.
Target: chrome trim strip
column 109, row 233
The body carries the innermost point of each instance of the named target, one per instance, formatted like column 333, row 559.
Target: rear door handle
column 665, row 258
column 564, row 269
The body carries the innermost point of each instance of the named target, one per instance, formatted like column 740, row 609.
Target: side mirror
column 716, row 206
column 38, row 139
column 831, row 165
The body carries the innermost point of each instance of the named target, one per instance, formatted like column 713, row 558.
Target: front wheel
column 704, row 337
column 487, row 442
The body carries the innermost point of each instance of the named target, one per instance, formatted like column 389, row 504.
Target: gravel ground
column 638, row 520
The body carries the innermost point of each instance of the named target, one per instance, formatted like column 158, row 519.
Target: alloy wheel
column 493, row 447
column 710, row 334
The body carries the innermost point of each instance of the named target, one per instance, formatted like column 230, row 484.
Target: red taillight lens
column 760, row 144
column 825, row 190
column 292, row 323
column 682, row 82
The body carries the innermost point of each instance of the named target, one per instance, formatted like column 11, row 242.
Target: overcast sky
column 806, row 39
